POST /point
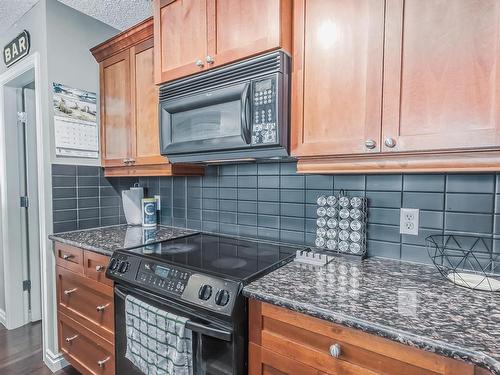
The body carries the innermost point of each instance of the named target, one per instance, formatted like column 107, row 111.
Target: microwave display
column 264, row 130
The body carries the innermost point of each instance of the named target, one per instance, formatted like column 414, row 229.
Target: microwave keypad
column 264, row 129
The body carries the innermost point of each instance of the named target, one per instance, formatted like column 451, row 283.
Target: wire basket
column 466, row 260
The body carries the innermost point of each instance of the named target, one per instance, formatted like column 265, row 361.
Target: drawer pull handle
column 68, row 256
column 103, row 362
column 100, row 268
column 102, row 307
column 335, row 350
column 70, row 339
column 69, row 291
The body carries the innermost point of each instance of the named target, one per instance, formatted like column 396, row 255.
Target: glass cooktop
column 229, row 257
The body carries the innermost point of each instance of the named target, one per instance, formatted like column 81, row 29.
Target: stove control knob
column 113, row 263
column 123, row 267
column 222, row 297
column 205, row 292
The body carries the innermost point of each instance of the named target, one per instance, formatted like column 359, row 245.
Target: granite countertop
column 405, row 302
column 105, row 240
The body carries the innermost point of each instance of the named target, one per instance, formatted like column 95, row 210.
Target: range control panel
column 264, row 106
column 167, row 278
column 212, row 293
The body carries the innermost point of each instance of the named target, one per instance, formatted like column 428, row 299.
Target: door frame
column 14, row 306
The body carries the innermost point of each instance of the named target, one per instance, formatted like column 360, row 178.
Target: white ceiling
column 121, row 14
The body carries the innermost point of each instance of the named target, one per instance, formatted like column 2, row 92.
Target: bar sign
column 16, row 49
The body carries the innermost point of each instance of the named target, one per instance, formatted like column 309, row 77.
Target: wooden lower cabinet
column 85, row 309
column 86, row 351
column 287, row 342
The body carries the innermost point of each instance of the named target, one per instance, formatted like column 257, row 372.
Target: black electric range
column 200, row 277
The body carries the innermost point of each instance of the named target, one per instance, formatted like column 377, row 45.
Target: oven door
column 214, row 120
column 214, row 349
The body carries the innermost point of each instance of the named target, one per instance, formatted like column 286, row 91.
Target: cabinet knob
column 390, row 142
column 70, row 339
column 209, row 59
column 103, row 362
column 126, row 161
column 199, row 63
column 69, row 291
column 67, row 256
column 370, row 144
column 99, row 268
column 335, row 350
column 101, row 308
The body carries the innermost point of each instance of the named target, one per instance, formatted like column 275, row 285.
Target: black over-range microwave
column 235, row 113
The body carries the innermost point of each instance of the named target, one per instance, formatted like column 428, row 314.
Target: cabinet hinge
column 21, row 117
column 24, row 202
column 27, row 285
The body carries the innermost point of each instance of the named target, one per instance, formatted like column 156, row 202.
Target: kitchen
column 261, row 187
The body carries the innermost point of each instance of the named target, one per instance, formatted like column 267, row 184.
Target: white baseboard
column 54, row 362
column 2, row 317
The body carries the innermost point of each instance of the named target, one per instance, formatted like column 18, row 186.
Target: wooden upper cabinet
column 116, row 136
column 195, row 35
column 441, row 83
column 180, row 37
column 130, row 135
column 337, row 76
column 145, row 106
column 246, row 28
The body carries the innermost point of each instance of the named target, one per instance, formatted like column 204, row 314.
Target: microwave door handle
column 209, row 331
column 244, row 113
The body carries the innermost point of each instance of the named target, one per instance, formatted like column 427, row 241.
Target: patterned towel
column 158, row 342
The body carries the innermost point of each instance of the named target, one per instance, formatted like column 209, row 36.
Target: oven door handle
column 216, row 333
column 206, row 330
column 245, row 109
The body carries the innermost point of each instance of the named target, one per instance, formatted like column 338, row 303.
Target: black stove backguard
column 219, row 343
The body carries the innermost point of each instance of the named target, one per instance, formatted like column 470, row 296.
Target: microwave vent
column 231, row 74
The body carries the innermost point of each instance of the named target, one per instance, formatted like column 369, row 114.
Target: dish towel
column 158, row 342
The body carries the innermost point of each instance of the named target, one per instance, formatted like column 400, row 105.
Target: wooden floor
column 21, row 352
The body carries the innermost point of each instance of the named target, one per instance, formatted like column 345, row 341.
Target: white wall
column 70, row 35
column 63, row 37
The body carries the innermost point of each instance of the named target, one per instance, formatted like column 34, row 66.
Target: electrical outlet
column 409, row 220
column 158, row 202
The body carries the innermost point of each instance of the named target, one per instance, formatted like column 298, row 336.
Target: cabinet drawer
column 313, row 341
column 87, row 352
column 95, row 267
column 69, row 257
column 86, row 301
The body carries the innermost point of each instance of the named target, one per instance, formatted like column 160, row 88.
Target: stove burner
column 229, row 263
column 177, row 248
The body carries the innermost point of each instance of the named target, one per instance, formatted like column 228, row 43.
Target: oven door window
column 209, row 121
column 211, row 355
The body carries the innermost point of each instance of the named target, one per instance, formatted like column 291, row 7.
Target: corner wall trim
column 2, row 317
column 54, row 362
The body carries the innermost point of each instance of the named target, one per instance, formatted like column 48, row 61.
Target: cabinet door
column 180, row 33
column 442, row 77
column 337, row 76
column 145, row 106
column 116, row 127
column 240, row 29
column 265, row 362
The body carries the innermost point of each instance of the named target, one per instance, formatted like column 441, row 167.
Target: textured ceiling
column 11, row 11
column 121, row 14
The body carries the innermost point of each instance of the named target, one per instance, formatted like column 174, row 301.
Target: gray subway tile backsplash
column 271, row 201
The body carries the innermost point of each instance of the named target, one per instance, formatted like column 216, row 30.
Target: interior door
column 145, row 106
column 180, row 33
column 240, row 29
column 117, row 136
column 442, row 78
column 337, row 76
